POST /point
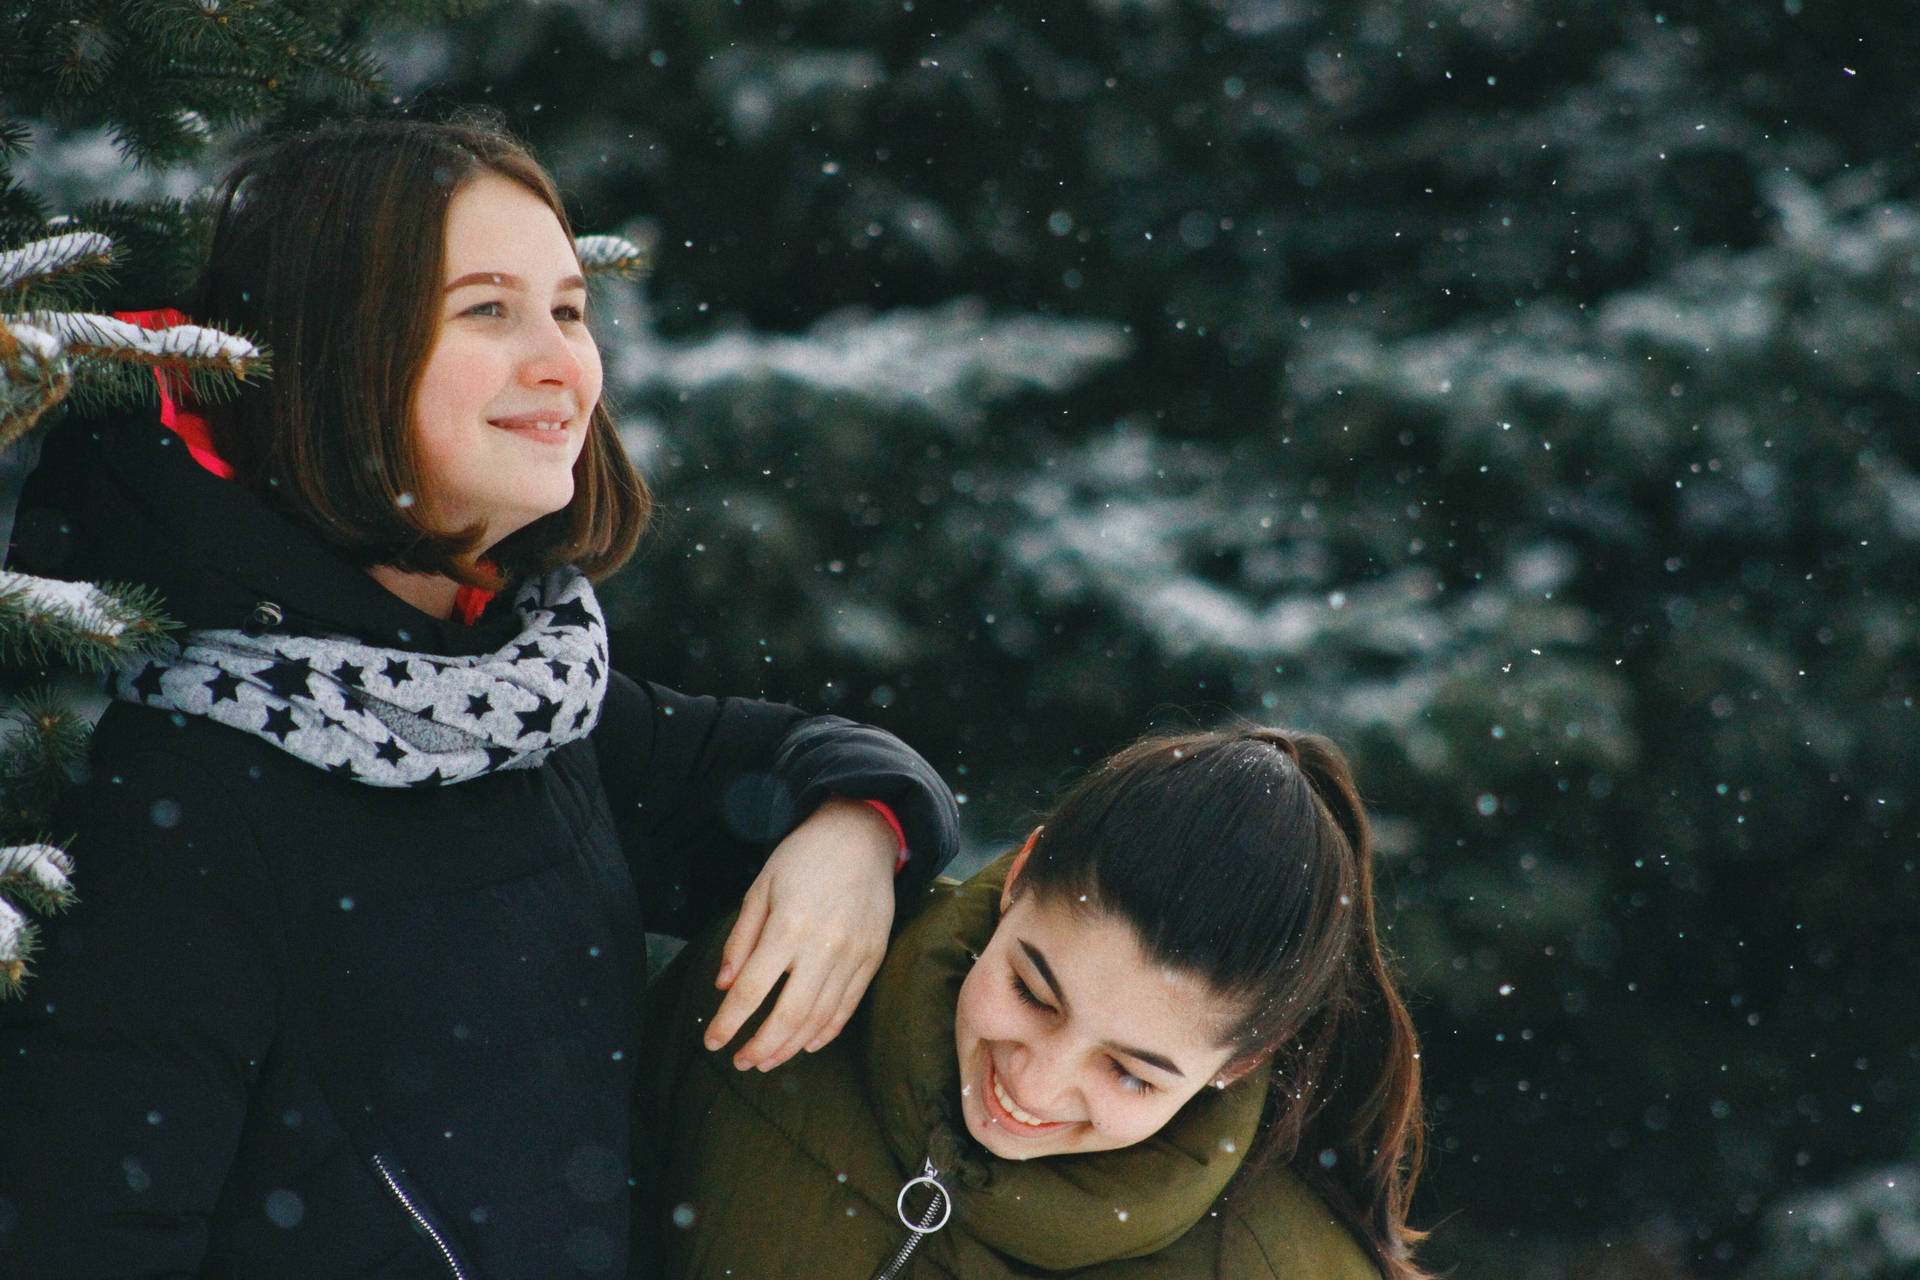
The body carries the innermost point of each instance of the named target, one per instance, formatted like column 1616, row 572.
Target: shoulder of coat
column 1273, row 1225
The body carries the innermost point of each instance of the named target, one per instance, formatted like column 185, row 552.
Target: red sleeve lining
column 899, row 833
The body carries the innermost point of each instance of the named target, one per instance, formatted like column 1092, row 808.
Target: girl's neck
column 430, row 593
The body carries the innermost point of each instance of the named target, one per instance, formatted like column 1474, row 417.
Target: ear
column 1019, row 865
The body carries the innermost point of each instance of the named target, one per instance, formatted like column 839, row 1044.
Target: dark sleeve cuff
column 826, row 756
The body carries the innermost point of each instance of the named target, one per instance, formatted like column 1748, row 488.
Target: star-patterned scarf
column 391, row 717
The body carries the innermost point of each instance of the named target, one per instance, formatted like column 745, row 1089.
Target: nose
column 551, row 358
column 1042, row 1080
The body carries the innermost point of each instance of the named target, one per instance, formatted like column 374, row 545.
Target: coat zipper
column 938, row 1210
column 419, row 1216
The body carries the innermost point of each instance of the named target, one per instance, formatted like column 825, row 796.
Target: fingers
column 811, row 1010
column 745, row 936
column 849, row 1001
column 794, row 1015
column 815, row 1024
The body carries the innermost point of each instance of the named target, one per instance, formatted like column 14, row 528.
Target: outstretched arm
column 702, row 788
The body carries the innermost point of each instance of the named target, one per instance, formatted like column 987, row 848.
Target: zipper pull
column 939, row 1209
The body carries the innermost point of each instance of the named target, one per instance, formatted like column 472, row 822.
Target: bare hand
column 819, row 912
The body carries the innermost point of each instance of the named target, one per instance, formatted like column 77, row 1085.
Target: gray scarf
column 393, row 717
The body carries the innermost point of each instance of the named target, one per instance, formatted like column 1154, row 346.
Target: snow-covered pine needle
column 33, row 340
column 612, row 256
column 37, row 876
column 183, row 346
column 33, row 377
column 59, row 255
column 16, row 944
column 80, row 622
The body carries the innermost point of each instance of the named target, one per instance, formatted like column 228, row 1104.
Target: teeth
column 1013, row 1110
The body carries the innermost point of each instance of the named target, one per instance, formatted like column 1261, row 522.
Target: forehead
column 493, row 217
column 1113, row 987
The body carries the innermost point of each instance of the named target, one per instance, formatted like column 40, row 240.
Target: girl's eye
column 1025, row 992
column 1128, row 1081
column 487, row 309
column 568, row 313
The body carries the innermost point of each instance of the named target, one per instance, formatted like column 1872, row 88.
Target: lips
column 544, row 425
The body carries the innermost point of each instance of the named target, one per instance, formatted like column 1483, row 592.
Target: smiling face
column 501, row 410
column 1071, row 1039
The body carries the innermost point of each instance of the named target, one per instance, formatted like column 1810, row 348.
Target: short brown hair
column 328, row 245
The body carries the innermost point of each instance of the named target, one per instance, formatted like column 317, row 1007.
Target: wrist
column 875, row 825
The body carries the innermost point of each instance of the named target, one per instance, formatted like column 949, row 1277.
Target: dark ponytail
column 1244, row 856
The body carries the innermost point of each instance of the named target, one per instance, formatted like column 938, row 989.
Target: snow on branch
column 54, row 256
column 77, row 620
column 183, row 346
column 612, row 255
column 16, row 943
column 38, row 875
column 947, row 361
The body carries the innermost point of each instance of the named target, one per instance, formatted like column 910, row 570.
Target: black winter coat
column 302, row 1026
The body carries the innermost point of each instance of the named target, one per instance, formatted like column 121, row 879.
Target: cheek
column 453, row 389
column 1123, row 1121
column 591, row 372
column 967, row 1012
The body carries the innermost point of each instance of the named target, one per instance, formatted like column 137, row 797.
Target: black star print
column 288, row 679
column 397, row 671
column 497, row 756
column 580, row 717
column 571, row 614
column 147, row 683
column 433, row 779
column 348, row 674
column 279, row 723
column 225, row 687
column 593, row 669
column 538, row 720
column 344, row 767
column 559, row 669
column 528, row 650
column 390, row 752
column 479, row 704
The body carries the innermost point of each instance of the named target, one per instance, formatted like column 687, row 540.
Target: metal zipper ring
column 940, row 1194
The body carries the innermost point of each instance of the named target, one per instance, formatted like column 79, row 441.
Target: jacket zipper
column 938, row 1210
column 419, row 1216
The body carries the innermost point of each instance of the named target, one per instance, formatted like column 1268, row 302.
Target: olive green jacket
column 796, row 1173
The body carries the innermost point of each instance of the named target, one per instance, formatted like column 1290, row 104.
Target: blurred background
column 1522, row 394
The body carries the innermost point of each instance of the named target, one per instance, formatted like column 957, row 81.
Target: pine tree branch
column 37, row 876
column 17, row 941
column 33, row 378
column 183, row 347
column 612, row 255
column 84, row 253
column 77, row 623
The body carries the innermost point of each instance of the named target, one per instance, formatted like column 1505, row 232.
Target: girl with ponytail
column 1162, row 1039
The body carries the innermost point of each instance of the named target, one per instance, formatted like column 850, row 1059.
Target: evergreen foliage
column 164, row 78
column 1521, row 394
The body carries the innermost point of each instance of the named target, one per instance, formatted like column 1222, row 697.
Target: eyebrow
column 508, row 280
column 1053, row 986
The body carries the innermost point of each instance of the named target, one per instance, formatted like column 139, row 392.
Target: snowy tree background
column 1522, row 394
